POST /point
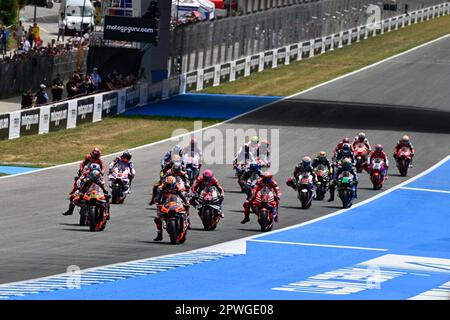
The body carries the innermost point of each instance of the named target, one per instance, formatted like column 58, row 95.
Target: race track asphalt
column 408, row 94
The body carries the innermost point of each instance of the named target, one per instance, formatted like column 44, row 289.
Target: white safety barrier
column 72, row 113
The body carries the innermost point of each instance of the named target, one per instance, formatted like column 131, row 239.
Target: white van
column 77, row 18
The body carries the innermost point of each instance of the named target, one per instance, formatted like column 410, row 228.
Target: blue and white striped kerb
column 109, row 273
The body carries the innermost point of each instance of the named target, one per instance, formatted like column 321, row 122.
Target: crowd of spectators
column 29, row 44
column 80, row 84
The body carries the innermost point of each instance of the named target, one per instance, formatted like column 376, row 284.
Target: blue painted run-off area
column 406, row 231
column 212, row 106
column 15, row 170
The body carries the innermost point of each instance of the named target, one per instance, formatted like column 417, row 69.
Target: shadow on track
column 330, row 114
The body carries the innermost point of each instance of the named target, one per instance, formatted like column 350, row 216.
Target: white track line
column 245, row 113
column 318, row 245
column 427, row 190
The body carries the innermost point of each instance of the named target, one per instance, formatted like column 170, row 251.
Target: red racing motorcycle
column 403, row 160
column 377, row 171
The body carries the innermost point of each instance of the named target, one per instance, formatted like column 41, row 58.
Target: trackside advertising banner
column 4, row 126
column 354, row 35
column 254, row 63
column 208, row 77
column 345, row 38
column 14, row 124
column 110, row 103
column 268, row 60
column 306, row 49
column 29, row 122
column 191, row 81
column 44, row 119
column 240, row 69
column 336, row 40
column 328, row 43
column 133, row 96
column 293, row 53
column 225, row 71
column 85, row 110
column 58, row 117
column 281, row 56
column 130, row 29
column 362, row 33
column 318, row 46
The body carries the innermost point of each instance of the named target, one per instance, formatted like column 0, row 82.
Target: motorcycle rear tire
column 207, row 216
column 93, row 219
column 115, row 194
column 403, row 167
column 172, row 230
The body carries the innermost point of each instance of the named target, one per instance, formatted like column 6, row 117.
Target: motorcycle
column 173, row 215
column 403, row 160
column 361, row 153
column 323, row 178
column 208, row 205
column 345, row 189
column 377, row 173
column 192, row 167
column 305, row 188
column 119, row 179
column 265, row 200
column 248, row 185
column 94, row 209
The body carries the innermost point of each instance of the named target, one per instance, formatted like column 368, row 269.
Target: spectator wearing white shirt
column 26, row 45
column 61, row 27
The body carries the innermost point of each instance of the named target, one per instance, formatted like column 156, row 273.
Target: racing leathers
column 298, row 171
column 201, row 184
column 337, row 171
column 402, row 144
column 83, row 185
column 121, row 163
column 251, row 203
column 379, row 155
column 163, row 193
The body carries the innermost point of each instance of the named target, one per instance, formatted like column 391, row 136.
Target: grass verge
column 300, row 75
column 111, row 135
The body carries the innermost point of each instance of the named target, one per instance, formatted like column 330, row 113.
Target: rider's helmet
column 126, row 156
column 176, row 150
column 176, row 159
column 208, row 175
column 254, row 140
column 254, row 166
column 306, row 163
column 345, row 140
column 361, row 136
column 94, row 166
column 322, row 155
column 267, row 177
column 346, row 148
column 176, row 167
column 96, row 154
column 346, row 164
column 170, row 182
column 94, row 176
column 378, row 148
column 405, row 139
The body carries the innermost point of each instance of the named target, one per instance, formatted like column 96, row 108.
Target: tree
column 9, row 10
